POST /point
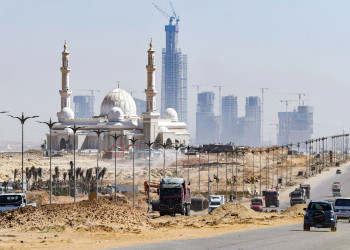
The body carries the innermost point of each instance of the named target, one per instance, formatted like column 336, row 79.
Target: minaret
column 151, row 81
column 65, row 93
column 150, row 117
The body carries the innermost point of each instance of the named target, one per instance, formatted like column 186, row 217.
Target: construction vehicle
column 336, row 188
column 297, row 197
column 215, row 201
column 307, row 189
column 271, row 197
column 174, row 197
column 13, row 201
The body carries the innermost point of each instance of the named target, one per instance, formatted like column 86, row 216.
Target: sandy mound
column 296, row 210
column 235, row 210
column 89, row 215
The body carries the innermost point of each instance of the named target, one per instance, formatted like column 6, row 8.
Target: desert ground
column 91, row 224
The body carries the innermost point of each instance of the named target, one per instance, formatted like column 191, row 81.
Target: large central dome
column 121, row 99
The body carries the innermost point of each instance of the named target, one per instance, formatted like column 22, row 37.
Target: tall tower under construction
column 174, row 73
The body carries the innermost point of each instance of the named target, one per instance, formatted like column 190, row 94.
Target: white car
column 342, row 205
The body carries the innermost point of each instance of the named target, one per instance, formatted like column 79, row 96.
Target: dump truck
column 297, row 197
column 336, row 188
column 307, row 189
column 271, row 197
column 256, row 204
column 174, row 197
column 13, row 201
column 215, row 201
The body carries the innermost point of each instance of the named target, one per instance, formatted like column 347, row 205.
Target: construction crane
column 288, row 101
column 300, row 95
column 198, row 85
column 92, row 90
column 166, row 15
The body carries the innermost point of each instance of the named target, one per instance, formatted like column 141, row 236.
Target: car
column 320, row 214
column 57, row 155
column 343, row 207
column 338, row 171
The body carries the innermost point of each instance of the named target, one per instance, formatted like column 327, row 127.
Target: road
column 287, row 237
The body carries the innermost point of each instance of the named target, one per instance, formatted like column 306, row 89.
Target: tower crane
column 166, row 15
column 198, row 85
column 300, row 95
column 288, row 101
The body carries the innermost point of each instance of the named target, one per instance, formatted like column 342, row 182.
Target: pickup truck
column 13, row 201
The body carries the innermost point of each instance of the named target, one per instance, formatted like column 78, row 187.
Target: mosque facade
column 117, row 117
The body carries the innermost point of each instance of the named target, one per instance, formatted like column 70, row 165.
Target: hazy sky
column 286, row 46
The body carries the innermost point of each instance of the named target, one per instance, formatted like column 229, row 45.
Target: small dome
column 121, row 99
column 163, row 129
column 68, row 130
column 66, row 113
column 116, row 114
column 170, row 114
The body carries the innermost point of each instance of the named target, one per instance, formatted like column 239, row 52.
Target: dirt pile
column 89, row 215
column 235, row 210
column 295, row 211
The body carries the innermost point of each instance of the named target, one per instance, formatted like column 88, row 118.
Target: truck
column 271, row 197
column 256, row 204
column 215, row 201
column 13, row 201
column 174, row 197
column 336, row 188
column 307, row 189
column 297, row 197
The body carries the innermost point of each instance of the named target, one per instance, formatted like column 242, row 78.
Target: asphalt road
column 283, row 237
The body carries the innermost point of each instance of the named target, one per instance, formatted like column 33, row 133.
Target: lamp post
column 149, row 144
column 273, row 165
column 217, row 171
column 232, row 173
column 208, row 152
column 253, row 174
column 164, row 145
column 282, row 164
column 188, row 163
column 226, row 177
column 260, row 178
column 177, row 147
column 22, row 119
column 133, row 140
column 243, row 172
column 267, row 167
column 50, row 125
column 199, row 171
column 291, row 162
column 236, row 151
column 115, row 137
column 98, row 132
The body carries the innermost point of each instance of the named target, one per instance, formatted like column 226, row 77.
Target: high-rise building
column 206, row 121
column 229, row 119
column 84, row 106
column 296, row 126
column 174, row 73
column 140, row 106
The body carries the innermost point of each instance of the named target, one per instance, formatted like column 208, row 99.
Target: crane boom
column 166, row 15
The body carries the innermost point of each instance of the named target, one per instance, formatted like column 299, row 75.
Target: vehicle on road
column 343, row 207
column 13, row 201
column 320, row 214
column 271, row 197
column 215, row 201
column 336, row 188
column 307, row 189
column 256, row 204
column 338, row 171
column 174, row 197
column 297, row 197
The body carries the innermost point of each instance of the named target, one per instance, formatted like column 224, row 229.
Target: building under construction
column 174, row 72
column 84, row 106
column 296, row 126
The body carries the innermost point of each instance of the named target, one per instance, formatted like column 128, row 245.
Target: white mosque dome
column 116, row 114
column 163, row 129
column 66, row 113
column 170, row 114
column 68, row 130
column 121, row 99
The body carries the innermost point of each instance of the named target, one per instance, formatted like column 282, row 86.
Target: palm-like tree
column 5, row 185
column 103, row 173
column 15, row 173
column 57, row 176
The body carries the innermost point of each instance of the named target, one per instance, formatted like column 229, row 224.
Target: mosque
column 117, row 117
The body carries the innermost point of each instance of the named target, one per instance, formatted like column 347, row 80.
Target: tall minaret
column 65, row 93
column 151, row 81
column 150, row 117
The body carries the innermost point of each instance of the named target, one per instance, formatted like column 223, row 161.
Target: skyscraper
column 206, row 122
column 229, row 118
column 84, row 106
column 174, row 73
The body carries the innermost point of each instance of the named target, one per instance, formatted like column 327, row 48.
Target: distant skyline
column 286, row 46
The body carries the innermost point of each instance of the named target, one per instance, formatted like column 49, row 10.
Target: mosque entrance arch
column 63, row 144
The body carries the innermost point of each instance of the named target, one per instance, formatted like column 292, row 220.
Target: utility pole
column 262, row 115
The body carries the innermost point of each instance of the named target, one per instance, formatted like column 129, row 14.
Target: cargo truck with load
column 297, row 197
column 271, row 197
column 336, row 188
column 307, row 189
column 13, row 201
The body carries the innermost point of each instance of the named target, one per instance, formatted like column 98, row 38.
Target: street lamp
column 291, row 162
column 75, row 129
column 22, row 119
column 236, row 151
column 260, row 178
column 133, row 140
column 164, row 145
column 306, row 142
column 98, row 132
column 208, row 152
column 50, row 125
column 199, row 171
column 217, row 171
column 177, row 147
column 226, row 176
column 149, row 144
column 188, row 163
column 282, row 164
column 253, row 174
column 115, row 137
column 267, row 167
column 243, row 172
